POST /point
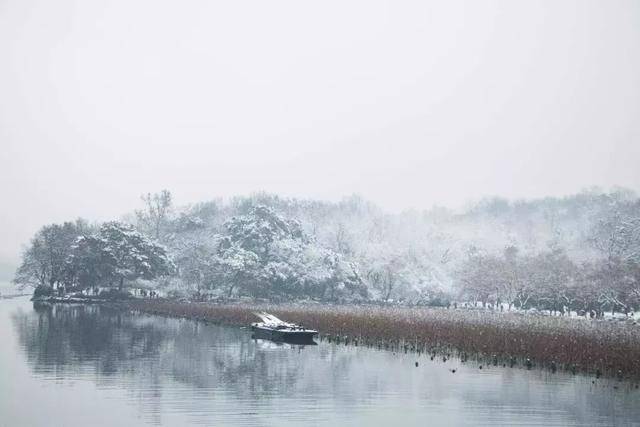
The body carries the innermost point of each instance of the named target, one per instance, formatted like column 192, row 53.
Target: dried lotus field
column 594, row 347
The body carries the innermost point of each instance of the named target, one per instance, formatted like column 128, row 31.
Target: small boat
column 275, row 329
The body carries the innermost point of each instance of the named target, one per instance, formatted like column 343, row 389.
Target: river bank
column 596, row 348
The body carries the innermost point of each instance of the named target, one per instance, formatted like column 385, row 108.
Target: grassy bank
column 594, row 347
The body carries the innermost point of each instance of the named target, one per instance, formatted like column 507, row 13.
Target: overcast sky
column 409, row 104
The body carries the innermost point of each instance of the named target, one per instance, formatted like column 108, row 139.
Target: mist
column 409, row 104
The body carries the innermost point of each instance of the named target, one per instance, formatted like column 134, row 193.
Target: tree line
column 550, row 280
column 75, row 256
column 578, row 253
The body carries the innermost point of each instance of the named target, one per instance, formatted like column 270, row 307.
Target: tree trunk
column 388, row 293
column 230, row 291
column 121, row 285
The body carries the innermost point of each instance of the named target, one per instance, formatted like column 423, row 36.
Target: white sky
column 409, row 103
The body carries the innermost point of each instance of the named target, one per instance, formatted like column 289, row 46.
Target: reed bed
column 595, row 347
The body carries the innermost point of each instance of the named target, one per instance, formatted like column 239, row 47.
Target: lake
column 89, row 365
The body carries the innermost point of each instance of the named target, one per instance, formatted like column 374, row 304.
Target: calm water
column 74, row 365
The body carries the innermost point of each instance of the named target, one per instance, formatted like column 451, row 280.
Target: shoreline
column 12, row 296
column 596, row 348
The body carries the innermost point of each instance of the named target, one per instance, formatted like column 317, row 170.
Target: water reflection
column 175, row 372
column 63, row 337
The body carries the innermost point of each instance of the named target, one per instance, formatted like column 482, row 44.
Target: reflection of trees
column 68, row 336
column 170, row 364
column 229, row 356
column 80, row 338
column 260, row 369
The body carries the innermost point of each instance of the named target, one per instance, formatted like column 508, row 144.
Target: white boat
column 278, row 330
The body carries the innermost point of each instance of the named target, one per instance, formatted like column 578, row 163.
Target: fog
column 409, row 104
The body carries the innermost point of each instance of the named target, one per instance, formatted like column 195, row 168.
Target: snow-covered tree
column 196, row 268
column 268, row 255
column 44, row 260
column 129, row 255
column 155, row 216
column 89, row 263
column 617, row 234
